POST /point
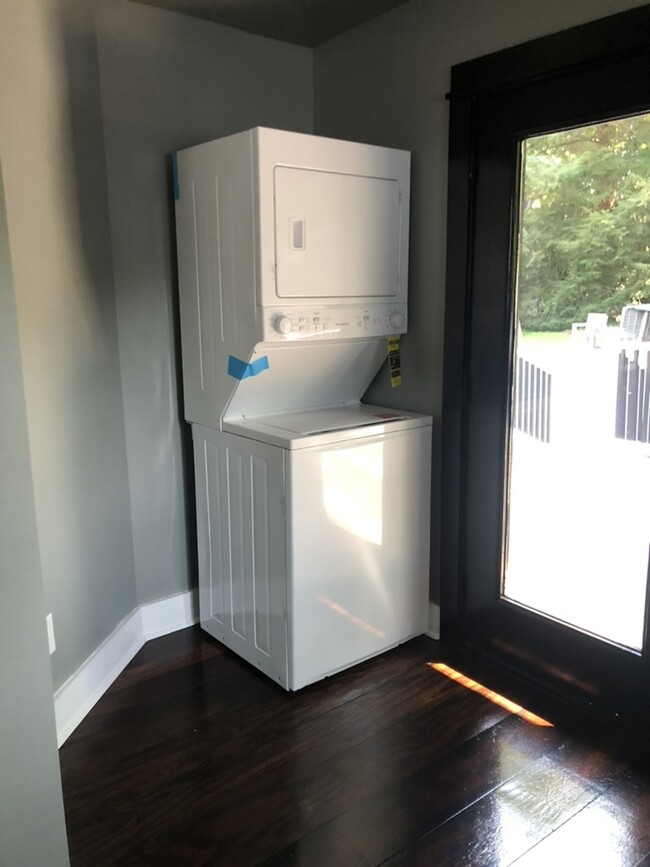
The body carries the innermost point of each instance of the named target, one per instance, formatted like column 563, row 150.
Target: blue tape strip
column 242, row 370
column 177, row 190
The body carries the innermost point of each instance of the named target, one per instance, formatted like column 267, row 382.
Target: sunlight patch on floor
column 503, row 702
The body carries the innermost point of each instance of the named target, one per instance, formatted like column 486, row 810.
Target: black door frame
column 604, row 41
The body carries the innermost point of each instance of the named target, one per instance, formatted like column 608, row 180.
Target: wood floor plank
column 312, row 794
column 219, row 697
column 613, row 829
column 328, row 743
column 385, row 823
column 194, row 758
column 501, row 827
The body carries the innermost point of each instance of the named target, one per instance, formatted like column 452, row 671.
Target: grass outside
column 545, row 337
column 557, row 338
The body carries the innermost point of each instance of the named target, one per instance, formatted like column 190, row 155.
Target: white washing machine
column 313, row 508
column 314, row 537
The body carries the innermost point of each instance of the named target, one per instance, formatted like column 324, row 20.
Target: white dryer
column 313, row 508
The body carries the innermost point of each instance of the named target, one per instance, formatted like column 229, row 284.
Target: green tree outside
column 585, row 223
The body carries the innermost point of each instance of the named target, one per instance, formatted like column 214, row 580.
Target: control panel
column 333, row 323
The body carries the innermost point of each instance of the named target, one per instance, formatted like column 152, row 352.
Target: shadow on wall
column 30, row 793
column 70, row 339
column 187, row 455
column 103, row 472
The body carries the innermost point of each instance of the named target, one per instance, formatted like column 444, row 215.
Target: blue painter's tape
column 237, row 368
column 177, row 190
column 242, row 370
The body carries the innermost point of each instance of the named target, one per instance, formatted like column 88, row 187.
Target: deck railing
column 532, row 400
column 633, row 396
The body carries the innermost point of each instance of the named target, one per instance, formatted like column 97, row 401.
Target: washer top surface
column 315, row 427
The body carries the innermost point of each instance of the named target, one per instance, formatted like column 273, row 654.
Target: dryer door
column 336, row 235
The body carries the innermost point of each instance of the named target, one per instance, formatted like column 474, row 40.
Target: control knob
column 282, row 324
column 396, row 319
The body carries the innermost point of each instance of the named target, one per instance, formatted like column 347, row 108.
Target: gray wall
column 55, row 186
column 32, row 829
column 385, row 83
column 169, row 81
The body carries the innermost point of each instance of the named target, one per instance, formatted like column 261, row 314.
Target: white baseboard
column 168, row 615
column 434, row 621
column 87, row 685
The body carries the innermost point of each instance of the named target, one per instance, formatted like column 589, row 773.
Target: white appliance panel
column 217, row 269
column 230, row 309
column 359, row 550
column 313, row 560
column 318, row 421
column 336, row 235
column 241, row 520
column 326, row 323
column 319, row 374
column 321, row 427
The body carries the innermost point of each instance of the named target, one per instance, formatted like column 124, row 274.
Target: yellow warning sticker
column 394, row 363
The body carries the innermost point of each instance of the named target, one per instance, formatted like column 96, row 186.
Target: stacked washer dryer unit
column 313, row 509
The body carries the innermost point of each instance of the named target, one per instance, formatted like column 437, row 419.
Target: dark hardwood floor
column 194, row 758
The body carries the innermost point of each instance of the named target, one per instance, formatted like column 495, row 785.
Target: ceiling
column 302, row 22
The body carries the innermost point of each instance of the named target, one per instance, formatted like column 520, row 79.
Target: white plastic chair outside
column 592, row 330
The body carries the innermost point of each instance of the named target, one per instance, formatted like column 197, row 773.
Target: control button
column 302, row 320
column 366, row 318
column 282, row 324
column 396, row 319
column 316, row 320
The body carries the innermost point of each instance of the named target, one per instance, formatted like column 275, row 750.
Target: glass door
column 578, row 469
column 555, row 508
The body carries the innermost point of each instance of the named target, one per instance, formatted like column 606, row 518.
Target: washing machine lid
column 316, row 427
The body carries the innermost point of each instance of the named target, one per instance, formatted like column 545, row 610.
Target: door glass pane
column 578, row 505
